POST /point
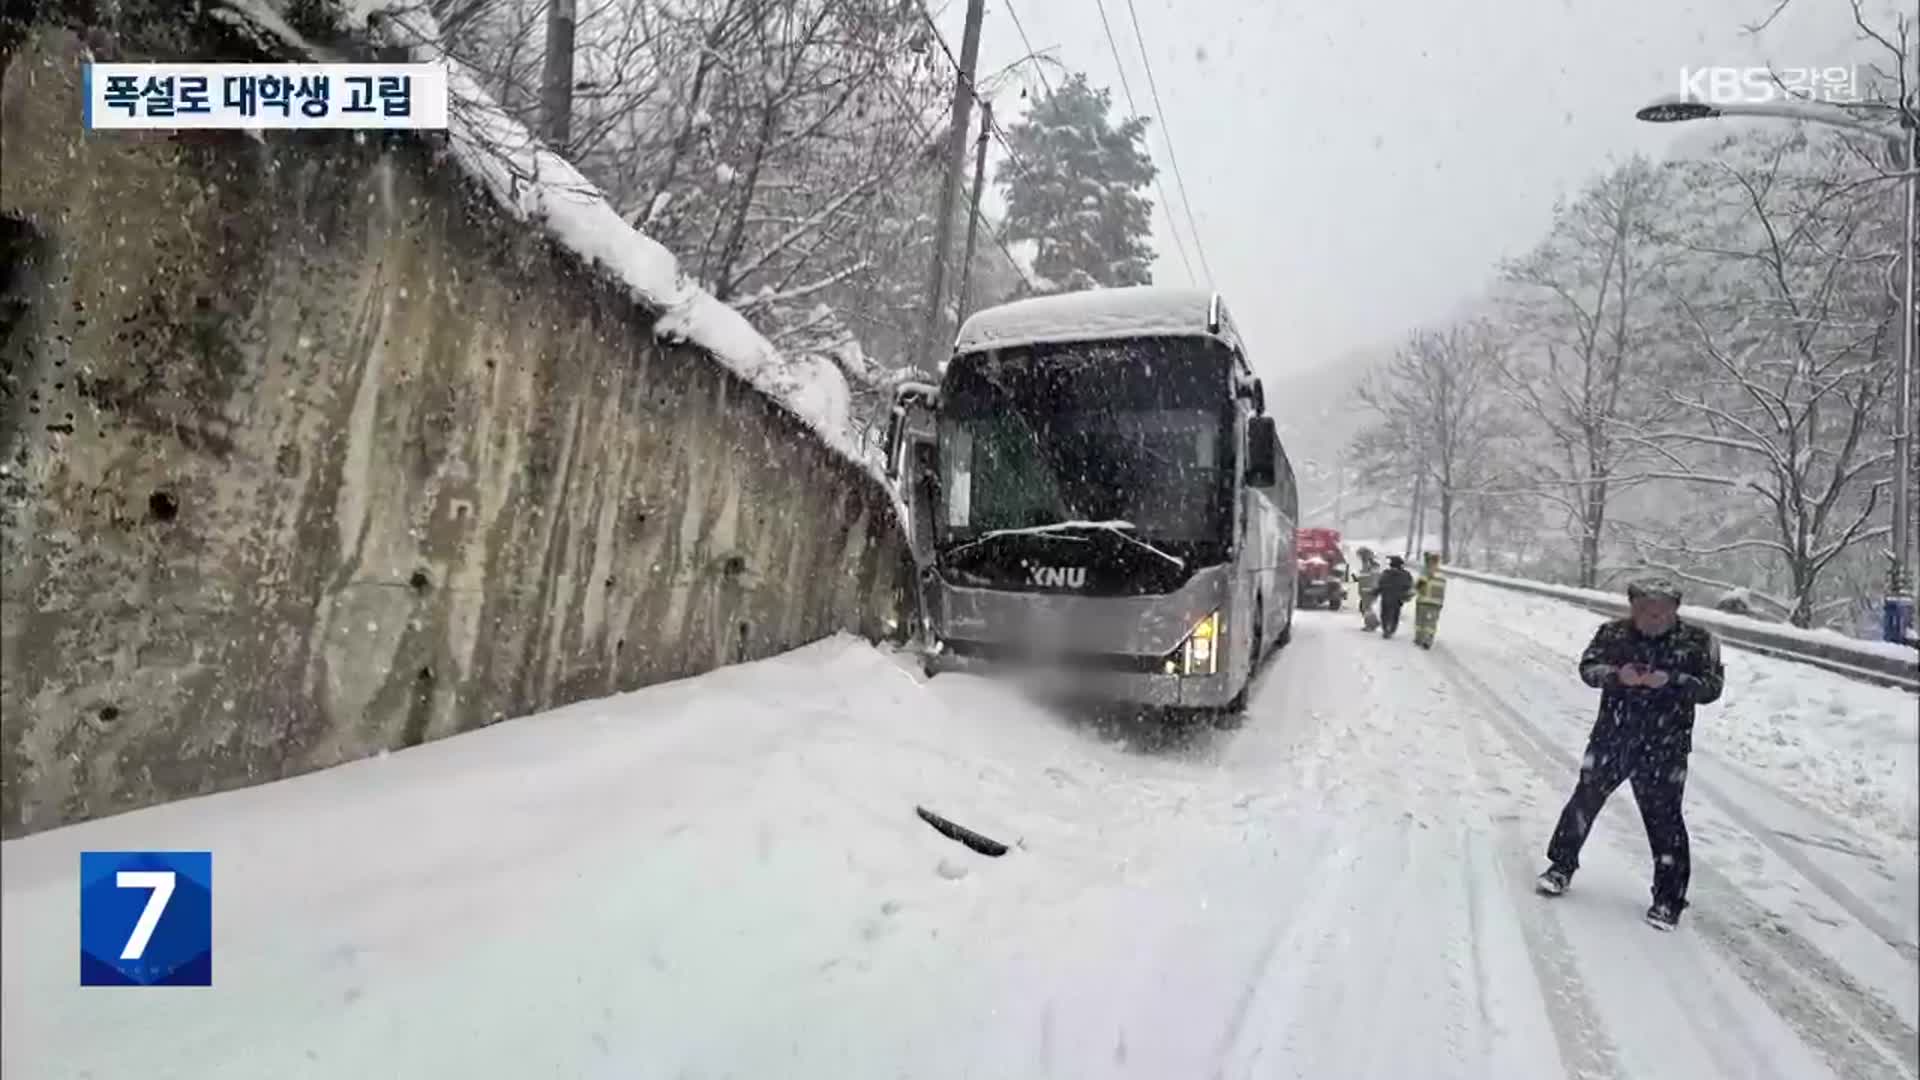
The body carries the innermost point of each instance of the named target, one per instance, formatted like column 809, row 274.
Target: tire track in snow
column 1314, row 1006
column 1424, row 935
column 1802, row 985
column 1290, row 726
column 1716, row 1013
column 1307, row 921
column 1489, row 853
column 1586, row 1050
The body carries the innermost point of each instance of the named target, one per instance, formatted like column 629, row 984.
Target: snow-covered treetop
column 1100, row 315
column 1075, row 184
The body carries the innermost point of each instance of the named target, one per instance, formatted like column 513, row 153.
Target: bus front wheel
column 1234, row 713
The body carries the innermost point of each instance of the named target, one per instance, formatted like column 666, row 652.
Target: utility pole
column 956, row 161
column 973, row 213
column 1897, row 614
column 556, row 85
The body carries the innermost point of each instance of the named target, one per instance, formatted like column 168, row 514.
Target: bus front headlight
column 1200, row 653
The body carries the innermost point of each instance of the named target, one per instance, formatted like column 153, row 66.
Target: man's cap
column 1394, row 560
column 1655, row 586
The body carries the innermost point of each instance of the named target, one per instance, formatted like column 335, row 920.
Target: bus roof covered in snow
column 1100, row 315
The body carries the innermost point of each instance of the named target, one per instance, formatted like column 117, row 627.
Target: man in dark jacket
column 1651, row 670
column 1396, row 584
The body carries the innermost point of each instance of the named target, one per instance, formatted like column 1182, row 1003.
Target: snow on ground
column 725, row 876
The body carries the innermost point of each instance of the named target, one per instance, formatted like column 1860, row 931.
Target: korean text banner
column 164, row 97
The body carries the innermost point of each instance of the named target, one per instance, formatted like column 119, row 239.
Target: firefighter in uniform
column 1366, row 583
column 1429, row 595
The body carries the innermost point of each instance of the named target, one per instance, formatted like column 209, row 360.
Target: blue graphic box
column 146, row 918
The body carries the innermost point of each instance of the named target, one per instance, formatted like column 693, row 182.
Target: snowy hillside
column 1318, row 416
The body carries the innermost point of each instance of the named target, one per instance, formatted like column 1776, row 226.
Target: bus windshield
column 1135, row 431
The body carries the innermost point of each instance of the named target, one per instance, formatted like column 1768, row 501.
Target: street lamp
column 1903, row 145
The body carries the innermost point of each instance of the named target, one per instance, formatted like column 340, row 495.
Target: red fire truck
column 1323, row 568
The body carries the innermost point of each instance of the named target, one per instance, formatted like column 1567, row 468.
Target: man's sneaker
column 1553, row 882
column 1663, row 916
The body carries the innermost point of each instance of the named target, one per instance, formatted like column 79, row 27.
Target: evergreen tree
column 1074, row 187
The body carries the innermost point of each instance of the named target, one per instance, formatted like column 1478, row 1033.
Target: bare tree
column 1435, row 410
column 1790, row 352
column 788, row 154
column 1585, row 357
column 1892, row 83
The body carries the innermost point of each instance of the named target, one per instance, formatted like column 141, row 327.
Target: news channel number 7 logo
column 146, row 918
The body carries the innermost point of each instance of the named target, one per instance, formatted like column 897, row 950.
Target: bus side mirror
column 1263, row 452
column 910, row 422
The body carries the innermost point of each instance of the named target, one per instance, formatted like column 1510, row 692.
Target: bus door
column 913, row 465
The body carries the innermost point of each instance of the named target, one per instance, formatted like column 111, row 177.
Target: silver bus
column 1094, row 490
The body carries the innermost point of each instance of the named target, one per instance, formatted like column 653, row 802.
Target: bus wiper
column 1122, row 529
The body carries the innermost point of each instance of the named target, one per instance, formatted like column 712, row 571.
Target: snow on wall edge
column 537, row 186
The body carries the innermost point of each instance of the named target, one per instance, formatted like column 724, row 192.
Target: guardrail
column 1872, row 661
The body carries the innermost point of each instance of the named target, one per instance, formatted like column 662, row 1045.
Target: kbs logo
column 1058, row 577
column 146, row 918
column 1768, row 86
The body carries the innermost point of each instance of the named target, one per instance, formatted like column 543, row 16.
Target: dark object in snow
column 1552, row 883
column 1734, row 603
column 1396, row 585
column 965, row 835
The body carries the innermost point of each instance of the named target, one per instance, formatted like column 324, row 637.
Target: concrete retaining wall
column 310, row 454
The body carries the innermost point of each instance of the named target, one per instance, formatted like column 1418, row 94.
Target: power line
column 1126, row 88
column 1038, row 68
column 974, row 92
column 927, row 134
column 934, row 29
column 1166, row 132
column 994, row 127
column 1113, row 46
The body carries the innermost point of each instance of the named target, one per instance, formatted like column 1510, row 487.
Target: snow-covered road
column 726, row 877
